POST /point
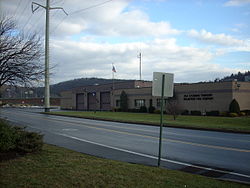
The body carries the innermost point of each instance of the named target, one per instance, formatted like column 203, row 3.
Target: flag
column 113, row 69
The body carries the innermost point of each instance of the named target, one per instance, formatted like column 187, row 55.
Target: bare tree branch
column 19, row 55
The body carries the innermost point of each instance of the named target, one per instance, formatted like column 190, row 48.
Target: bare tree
column 172, row 108
column 19, row 55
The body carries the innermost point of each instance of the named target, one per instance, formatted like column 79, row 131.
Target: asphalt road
column 210, row 153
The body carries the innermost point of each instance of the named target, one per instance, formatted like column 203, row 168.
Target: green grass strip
column 237, row 124
column 58, row 167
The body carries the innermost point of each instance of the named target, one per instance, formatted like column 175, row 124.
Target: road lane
column 215, row 149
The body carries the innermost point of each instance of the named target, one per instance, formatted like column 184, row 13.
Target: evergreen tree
column 124, row 101
column 234, row 107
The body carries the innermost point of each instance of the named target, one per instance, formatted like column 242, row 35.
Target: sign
column 168, row 84
column 163, row 86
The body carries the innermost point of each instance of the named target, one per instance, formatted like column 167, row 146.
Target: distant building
column 204, row 97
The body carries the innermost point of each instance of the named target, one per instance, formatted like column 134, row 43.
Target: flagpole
column 113, row 87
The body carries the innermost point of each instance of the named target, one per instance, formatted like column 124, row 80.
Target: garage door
column 80, row 101
column 105, row 101
column 92, row 101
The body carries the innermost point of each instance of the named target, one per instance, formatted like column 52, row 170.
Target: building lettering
column 192, row 97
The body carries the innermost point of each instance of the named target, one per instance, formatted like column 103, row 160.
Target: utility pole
column 47, row 90
column 140, row 56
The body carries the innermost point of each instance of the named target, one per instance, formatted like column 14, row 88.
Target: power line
column 17, row 7
column 55, row 28
column 54, row 15
column 78, row 11
column 25, row 7
column 93, row 6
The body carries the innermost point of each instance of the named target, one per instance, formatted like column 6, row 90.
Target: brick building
column 199, row 96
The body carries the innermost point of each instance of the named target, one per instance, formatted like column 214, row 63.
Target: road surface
column 210, row 153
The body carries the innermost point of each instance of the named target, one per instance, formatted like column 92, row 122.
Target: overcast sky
column 197, row 40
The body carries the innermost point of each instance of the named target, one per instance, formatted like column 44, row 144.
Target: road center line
column 138, row 129
column 151, row 131
column 164, row 139
column 147, row 136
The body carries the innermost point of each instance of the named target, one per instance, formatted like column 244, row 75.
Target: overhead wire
column 56, row 12
column 93, row 6
column 78, row 11
column 29, row 18
column 25, row 7
column 18, row 5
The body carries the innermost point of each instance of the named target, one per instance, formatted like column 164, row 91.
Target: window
column 117, row 103
column 158, row 102
column 139, row 102
column 150, row 102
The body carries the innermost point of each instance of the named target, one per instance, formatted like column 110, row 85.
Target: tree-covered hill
column 239, row 77
column 55, row 89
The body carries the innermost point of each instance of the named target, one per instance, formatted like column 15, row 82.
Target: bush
column 151, row 109
column 233, row 115
column 234, row 107
column 117, row 110
column 157, row 111
column 134, row 110
column 124, row 101
column 185, row 112
column 247, row 112
column 8, row 137
column 213, row 113
column 143, row 109
column 242, row 114
column 195, row 113
column 19, row 140
column 224, row 114
column 28, row 142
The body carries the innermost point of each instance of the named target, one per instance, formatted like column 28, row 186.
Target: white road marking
column 70, row 129
column 146, row 136
column 133, row 128
column 154, row 157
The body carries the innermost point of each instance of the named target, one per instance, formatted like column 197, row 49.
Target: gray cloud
column 77, row 50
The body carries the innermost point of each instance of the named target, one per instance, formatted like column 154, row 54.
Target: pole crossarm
column 60, row 9
column 38, row 5
column 50, row 8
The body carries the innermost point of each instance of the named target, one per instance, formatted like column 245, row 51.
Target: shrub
column 242, row 114
column 234, row 107
column 19, row 140
column 117, row 110
column 185, row 112
column 28, row 142
column 157, row 111
column 247, row 112
column 151, row 109
column 195, row 113
column 134, row 110
column 213, row 113
column 124, row 101
column 143, row 109
column 8, row 137
column 233, row 115
column 224, row 114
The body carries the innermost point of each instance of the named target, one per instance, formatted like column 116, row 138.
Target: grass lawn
column 58, row 167
column 203, row 122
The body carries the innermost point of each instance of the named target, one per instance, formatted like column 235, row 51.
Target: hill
column 55, row 89
column 239, row 77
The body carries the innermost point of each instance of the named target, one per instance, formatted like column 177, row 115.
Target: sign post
column 163, row 87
